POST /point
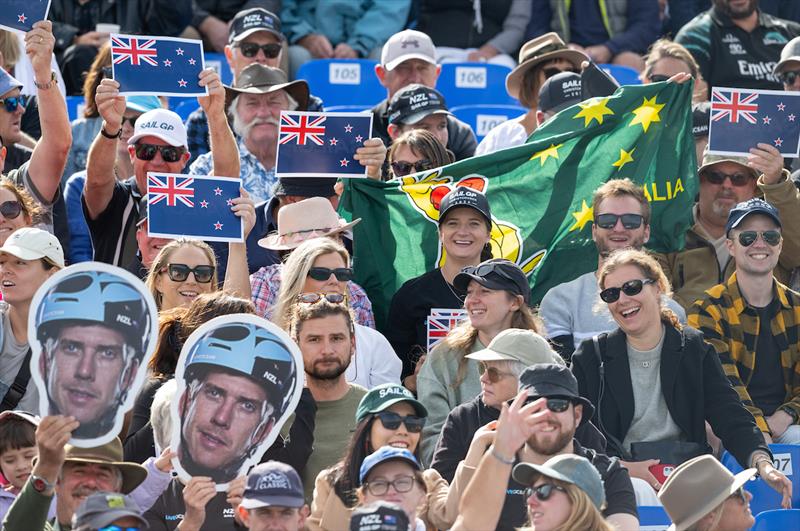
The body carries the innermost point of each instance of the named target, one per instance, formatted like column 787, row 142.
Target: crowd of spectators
column 567, row 415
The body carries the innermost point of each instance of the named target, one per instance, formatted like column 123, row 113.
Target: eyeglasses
column 250, row 49
column 180, row 272
column 313, row 298
column 543, row 491
column 746, row 237
column 401, row 168
column 392, row 421
column 550, row 72
column 168, row 153
column 342, row 274
column 10, row 209
column 656, row 78
column 630, row 288
column 11, row 104
column 737, row 179
column 493, row 373
column 788, row 78
column 609, row 221
column 118, row 528
column 401, row 484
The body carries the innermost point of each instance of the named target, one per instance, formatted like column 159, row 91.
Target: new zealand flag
column 19, row 15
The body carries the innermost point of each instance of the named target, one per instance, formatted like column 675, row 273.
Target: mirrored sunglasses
column 749, row 237
column 630, row 288
column 168, row 153
column 10, row 209
column 11, row 104
column 313, row 298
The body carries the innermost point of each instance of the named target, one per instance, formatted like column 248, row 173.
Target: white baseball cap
column 405, row 45
column 29, row 243
column 160, row 123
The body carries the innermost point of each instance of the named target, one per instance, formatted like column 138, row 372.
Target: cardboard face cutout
column 239, row 378
column 92, row 330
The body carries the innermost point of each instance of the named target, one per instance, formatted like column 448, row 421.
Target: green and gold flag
column 540, row 192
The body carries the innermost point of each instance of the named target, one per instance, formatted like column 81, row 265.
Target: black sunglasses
column 554, row 404
column 630, row 288
column 609, row 221
column 493, row 373
column 788, row 78
column 250, row 49
column 543, row 491
column 313, row 298
column 342, row 274
column 10, row 209
column 168, row 153
column 392, row 421
column 132, row 120
column 656, row 78
column 746, row 237
column 401, row 168
column 737, row 179
column 180, row 272
column 11, row 104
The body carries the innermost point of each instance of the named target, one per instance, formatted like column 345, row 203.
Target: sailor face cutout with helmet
column 237, row 383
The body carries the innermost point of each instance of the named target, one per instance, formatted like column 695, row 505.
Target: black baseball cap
column 700, row 118
column 560, row 91
column 497, row 273
column 379, row 516
column 751, row 206
column 306, row 186
column 249, row 21
column 553, row 380
column 273, row 484
column 414, row 102
column 464, row 196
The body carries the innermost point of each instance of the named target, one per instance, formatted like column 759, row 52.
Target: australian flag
column 321, row 144
column 19, row 15
column 161, row 66
column 741, row 118
column 194, row 206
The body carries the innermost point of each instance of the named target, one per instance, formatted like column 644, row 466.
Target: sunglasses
column 656, row 78
column 493, row 373
column 168, row 153
column 630, row 288
column 609, row 221
column 118, row 528
column 746, row 237
column 543, row 491
column 313, row 298
column 556, row 405
column 401, row 168
column 550, row 72
column 250, row 49
column 737, row 179
column 342, row 274
column 132, row 120
column 10, row 209
column 379, row 487
column 11, row 104
column 788, row 78
column 180, row 272
column 485, row 269
column 740, row 495
column 392, row 421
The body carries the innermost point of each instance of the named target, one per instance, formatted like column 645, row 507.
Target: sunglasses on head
column 168, row 153
column 250, row 49
column 313, row 298
column 737, row 179
column 543, row 491
column 180, row 272
column 609, row 221
column 401, row 168
column 342, row 274
column 746, row 237
column 493, row 373
column 788, row 78
column 656, row 78
column 11, row 104
column 630, row 288
column 10, row 209
column 392, row 421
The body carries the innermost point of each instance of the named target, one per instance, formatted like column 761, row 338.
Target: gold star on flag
column 582, row 217
column 647, row 113
column 594, row 109
column 624, row 158
column 545, row 154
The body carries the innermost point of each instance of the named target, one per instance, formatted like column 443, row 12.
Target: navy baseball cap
column 414, row 102
column 384, row 454
column 560, row 91
column 249, row 21
column 496, row 273
column 379, row 516
column 273, row 484
column 101, row 509
column 751, row 206
column 464, row 196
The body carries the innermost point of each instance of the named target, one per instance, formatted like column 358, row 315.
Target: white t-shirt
column 374, row 361
column 508, row 134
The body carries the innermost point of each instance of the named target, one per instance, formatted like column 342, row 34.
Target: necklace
column 446, row 283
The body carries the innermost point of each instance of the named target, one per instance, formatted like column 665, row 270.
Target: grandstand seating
column 787, row 458
column 483, row 118
column 778, row 520
column 653, row 518
column 624, row 75
column 474, row 84
column 218, row 62
column 343, row 84
column 184, row 106
column 75, row 106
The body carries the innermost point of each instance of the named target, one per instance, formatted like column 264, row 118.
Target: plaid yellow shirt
column 732, row 327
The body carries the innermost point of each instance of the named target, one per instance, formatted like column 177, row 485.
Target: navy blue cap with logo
column 751, row 206
column 273, row 484
column 249, row 21
column 379, row 516
column 414, row 102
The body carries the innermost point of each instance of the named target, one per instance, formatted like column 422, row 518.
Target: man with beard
column 736, row 45
column 325, row 334
column 726, row 181
column 558, row 422
column 572, row 311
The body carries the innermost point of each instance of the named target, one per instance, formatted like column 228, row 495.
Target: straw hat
column 310, row 218
column 543, row 48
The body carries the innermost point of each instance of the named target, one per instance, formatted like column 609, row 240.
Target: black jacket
column 695, row 389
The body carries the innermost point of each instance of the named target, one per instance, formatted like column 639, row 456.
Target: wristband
column 500, row 457
column 115, row 136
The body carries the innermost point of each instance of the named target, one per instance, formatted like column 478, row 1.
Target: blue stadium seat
column 184, row 106
column 75, row 106
column 781, row 519
column 474, row 84
column 483, row 118
column 787, row 460
column 653, row 518
column 343, row 84
column 218, row 62
column 624, row 75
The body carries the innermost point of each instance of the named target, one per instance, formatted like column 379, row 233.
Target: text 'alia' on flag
column 20, row 15
column 321, row 144
column 161, row 66
column 743, row 118
column 195, row 206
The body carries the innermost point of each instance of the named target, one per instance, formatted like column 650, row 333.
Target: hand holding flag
column 39, row 44
column 214, row 103
column 22, row 15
